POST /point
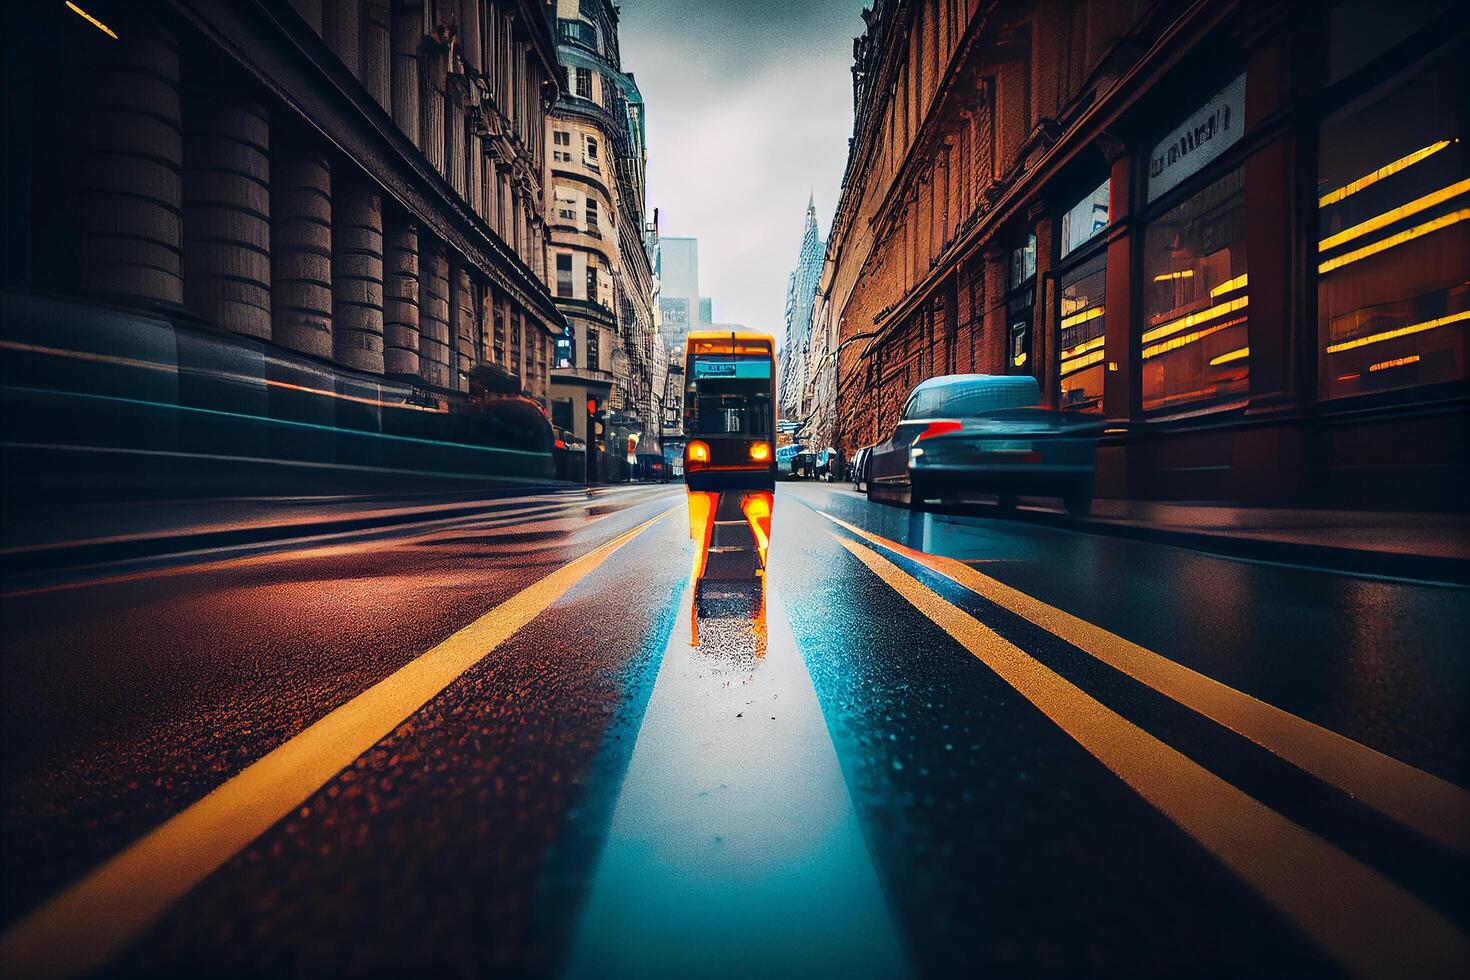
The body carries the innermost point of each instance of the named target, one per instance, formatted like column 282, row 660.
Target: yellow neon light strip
column 1413, row 328
column 1397, row 214
column 1019, row 359
column 1078, row 363
column 91, row 20
column 1393, row 241
column 1083, row 348
column 1387, row 170
column 1235, row 355
column 1181, row 274
column 1174, row 343
column 1395, row 362
column 1083, row 317
column 1195, row 319
column 1231, row 285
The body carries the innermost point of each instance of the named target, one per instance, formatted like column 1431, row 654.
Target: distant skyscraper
column 801, row 290
column 706, row 310
column 678, row 288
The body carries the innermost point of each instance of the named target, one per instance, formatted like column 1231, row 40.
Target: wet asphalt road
column 887, row 768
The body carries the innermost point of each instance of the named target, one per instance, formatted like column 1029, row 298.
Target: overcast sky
column 749, row 110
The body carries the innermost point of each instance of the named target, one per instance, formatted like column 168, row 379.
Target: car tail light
column 940, row 428
column 760, row 451
column 697, row 453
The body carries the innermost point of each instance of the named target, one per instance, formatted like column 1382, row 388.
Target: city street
column 943, row 744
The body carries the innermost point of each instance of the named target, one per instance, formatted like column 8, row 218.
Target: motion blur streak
column 1438, row 809
column 1370, row 925
column 83, row 926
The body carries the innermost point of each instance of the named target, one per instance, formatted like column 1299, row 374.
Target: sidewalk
column 38, row 539
column 1411, row 545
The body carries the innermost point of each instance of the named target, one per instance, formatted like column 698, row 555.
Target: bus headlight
column 760, row 452
column 697, row 452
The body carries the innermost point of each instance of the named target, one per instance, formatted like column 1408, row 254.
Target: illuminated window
column 1393, row 228
column 1081, row 339
column 1193, row 345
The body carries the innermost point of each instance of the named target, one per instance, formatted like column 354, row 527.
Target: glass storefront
column 1393, row 249
column 1082, row 342
column 1193, row 345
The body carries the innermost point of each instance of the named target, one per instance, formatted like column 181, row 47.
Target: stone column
column 434, row 315
column 377, row 69
column 129, row 159
column 227, row 230
column 357, row 276
column 464, row 326
column 431, row 104
column 475, row 180
column 454, row 136
column 407, row 32
column 401, row 299
column 342, row 30
column 301, row 248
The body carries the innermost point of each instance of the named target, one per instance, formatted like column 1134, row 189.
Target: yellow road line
column 1434, row 807
column 1368, row 924
column 82, row 927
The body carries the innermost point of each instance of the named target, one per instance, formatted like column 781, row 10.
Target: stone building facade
column 356, row 181
column 1072, row 189
column 602, row 252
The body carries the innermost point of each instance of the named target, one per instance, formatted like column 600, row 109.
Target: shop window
column 1082, row 338
column 1393, row 262
column 1085, row 220
column 1021, row 304
column 1193, row 347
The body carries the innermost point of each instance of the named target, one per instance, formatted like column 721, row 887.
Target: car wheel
column 1078, row 502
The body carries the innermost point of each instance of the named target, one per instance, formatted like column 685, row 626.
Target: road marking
column 82, row 927
column 1434, row 807
column 1370, row 925
column 734, row 848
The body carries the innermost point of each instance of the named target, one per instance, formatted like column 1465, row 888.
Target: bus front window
column 729, row 396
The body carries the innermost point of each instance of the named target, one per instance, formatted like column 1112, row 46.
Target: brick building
column 1072, row 189
column 355, row 182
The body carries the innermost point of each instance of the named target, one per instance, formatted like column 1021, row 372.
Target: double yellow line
column 1367, row 923
column 81, row 928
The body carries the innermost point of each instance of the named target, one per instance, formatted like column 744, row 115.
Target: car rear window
column 971, row 395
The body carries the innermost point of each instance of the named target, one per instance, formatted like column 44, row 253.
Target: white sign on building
column 1208, row 132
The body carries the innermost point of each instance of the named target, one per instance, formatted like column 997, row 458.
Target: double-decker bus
column 729, row 411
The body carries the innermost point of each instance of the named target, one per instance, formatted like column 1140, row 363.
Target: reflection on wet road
column 519, row 742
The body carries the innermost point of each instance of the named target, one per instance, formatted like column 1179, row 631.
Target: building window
column 1393, row 225
column 1020, row 305
column 592, row 217
column 564, row 274
column 594, row 355
column 566, row 206
column 584, row 83
column 566, row 348
column 1085, row 219
column 1193, row 345
column 592, row 296
column 1082, row 341
column 561, row 138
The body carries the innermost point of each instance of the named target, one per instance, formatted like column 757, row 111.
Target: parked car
column 966, row 435
column 860, row 469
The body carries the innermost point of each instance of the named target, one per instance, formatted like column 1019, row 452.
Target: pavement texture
column 511, row 741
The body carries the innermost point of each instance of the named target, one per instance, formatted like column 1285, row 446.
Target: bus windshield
column 728, row 395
